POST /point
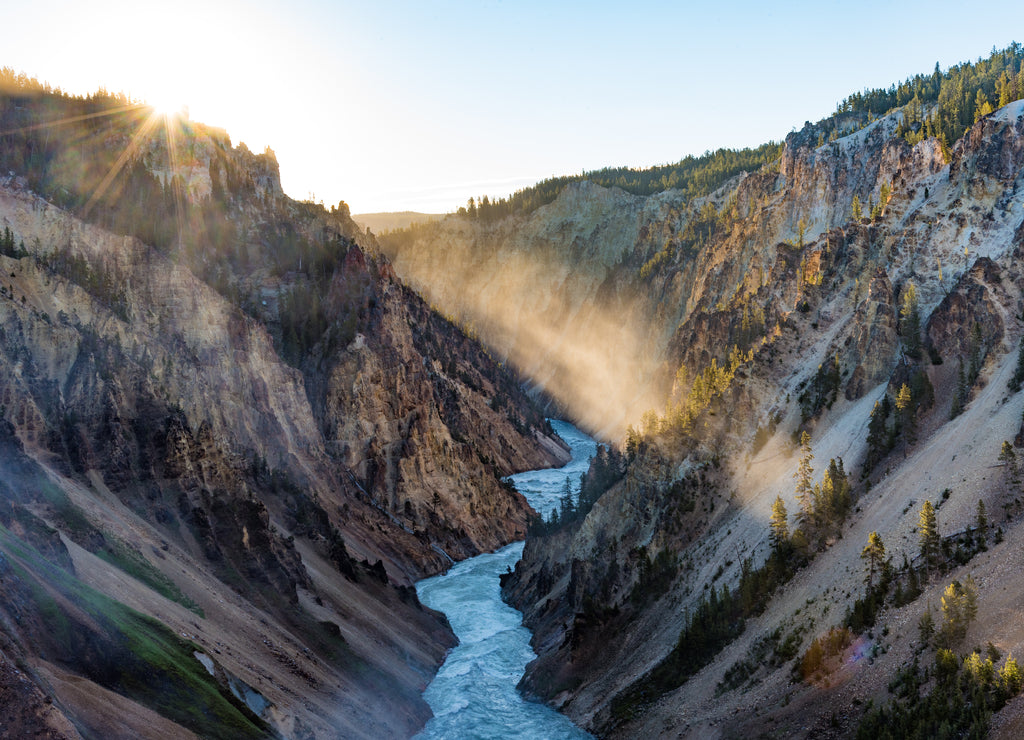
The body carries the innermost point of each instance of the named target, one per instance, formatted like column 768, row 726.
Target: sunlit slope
column 800, row 313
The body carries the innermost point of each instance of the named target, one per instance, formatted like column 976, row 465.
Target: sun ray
column 170, row 133
column 133, row 146
column 74, row 119
column 153, row 117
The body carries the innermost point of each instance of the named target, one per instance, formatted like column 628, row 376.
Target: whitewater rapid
column 474, row 693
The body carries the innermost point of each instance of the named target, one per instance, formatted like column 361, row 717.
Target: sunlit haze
column 417, row 106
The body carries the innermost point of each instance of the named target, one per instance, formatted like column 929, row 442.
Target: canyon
column 236, row 429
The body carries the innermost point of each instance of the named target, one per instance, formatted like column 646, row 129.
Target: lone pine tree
column 874, row 555
column 928, row 528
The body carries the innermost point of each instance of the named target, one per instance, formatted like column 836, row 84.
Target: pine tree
column 1010, row 676
column 959, row 609
column 926, row 626
column 835, row 492
column 981, row 519
column 874, row 555
column 931, row 543
column 922, row 393
column 910, row 322
column 779, row 525
column 566, row 504
column 855, row 208
column 632, row 442
column 1009, row 458
column 1018, row 373
column 1004, row 87
column 7, row 243
column 878, row 435
column 982, row 106
column 804, row 482
column 952, row 613
column 825, row 506
column 905, row 408
column 982, row 671
column 970, row 599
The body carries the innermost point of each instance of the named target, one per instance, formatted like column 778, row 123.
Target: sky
column 396, row 105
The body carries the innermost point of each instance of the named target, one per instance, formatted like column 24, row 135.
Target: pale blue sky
column 393, row 105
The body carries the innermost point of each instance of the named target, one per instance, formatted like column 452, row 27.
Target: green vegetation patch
column 962, row 698
column 132, row 562
column 695, row 176
column 128, row 652
column 717, row 620
column 117, row 553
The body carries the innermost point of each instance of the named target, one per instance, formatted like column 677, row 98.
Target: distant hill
column 381, row 222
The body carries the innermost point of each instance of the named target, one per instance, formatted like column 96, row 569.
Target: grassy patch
column 119, row 554
column 132, row 562
column 129, row 652
column 70, row 517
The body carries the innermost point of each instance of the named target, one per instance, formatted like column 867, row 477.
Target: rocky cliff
column 791, row 313
column 228, row 450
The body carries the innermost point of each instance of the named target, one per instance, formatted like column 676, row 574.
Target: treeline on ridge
column 695, row 176
column 941, row 104
column 945, row 104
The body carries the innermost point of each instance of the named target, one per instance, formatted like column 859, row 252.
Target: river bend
column 474, row 693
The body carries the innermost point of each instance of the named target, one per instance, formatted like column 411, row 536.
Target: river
column 474, row 693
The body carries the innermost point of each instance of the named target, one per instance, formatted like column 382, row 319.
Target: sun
column 166, row 102
column 169, row 107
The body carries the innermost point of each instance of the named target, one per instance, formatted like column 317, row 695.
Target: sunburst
column 172, row 127
column 141, row 136
column 167, row 113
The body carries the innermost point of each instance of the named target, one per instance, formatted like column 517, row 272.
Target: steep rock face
column 428, row 432
column 569, row 290
column 874, row 337
column 170, row 473
column 602, row 616
column 28, row 713
column 590, row 594
column 233, row 383
column 976, row 307
column 210, row 459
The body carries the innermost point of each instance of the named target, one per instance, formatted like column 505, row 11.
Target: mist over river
column 474, row 693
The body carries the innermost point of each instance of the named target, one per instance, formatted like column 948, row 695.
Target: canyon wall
column 787, row 317
column 215, row 501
